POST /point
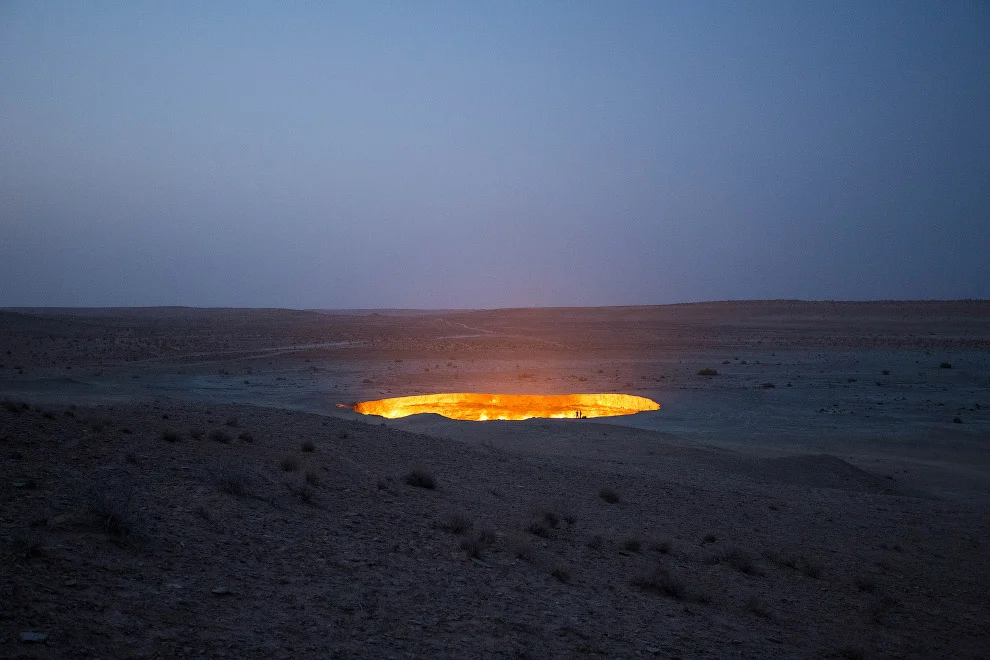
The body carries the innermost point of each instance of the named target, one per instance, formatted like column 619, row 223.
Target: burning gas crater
column 482, row 407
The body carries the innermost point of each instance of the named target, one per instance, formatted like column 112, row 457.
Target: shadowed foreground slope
column 173, row 530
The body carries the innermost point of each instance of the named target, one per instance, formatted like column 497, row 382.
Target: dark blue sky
column 492, row 154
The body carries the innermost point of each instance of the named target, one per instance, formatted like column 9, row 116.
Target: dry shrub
column 289, row 463
column 631, row 544
column 458, row 522
column 850, row 652
column 169, row 435
column 521, row 548
column 865, row 584
column 609, row 495
column 114, row 509
column 231, row 477
column 420, row 477
column 738, row 559
column 308, row 446
column 476, row 544
column 662, row 546
column 661, row 581
column 758, row 606
column 219, row 435
column 196, row 433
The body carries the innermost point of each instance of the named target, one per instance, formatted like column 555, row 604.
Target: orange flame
column 481, row 407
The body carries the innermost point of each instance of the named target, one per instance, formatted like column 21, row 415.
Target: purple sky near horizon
column 477, row 155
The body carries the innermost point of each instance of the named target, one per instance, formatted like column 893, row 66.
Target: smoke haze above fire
column 492, row 154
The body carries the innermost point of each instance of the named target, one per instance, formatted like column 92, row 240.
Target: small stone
column 221, row 591
column 33, row 637
column 70, row 583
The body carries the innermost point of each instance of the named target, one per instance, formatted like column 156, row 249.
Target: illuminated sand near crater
column 482, row 407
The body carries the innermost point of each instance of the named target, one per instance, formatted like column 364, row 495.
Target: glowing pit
column 482, row 407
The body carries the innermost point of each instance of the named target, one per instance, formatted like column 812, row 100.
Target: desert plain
column 180, row 482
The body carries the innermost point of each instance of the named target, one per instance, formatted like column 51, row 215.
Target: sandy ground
column 816, row 498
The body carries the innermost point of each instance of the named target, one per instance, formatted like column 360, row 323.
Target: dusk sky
column 499, row 154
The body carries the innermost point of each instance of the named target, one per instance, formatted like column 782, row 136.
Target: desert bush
column 539, row 528
column 219, row 435
column 289, row 463
column 312, row 478
column 308, row 445
column 231, row 477
column 810, row 568
column 709, row 538
column 550, row 517
column 661, row 581
column 458, row 522
column 596, row 542
column 631, row 544
column 196, row 433
column 28, row 544
column 169, row 435
column 521, row 548
column 738, row 559
column 304, row 493
column 113, row 506
column 420, row 477
column 879, row 608
column 609, row 495
column 865, row 583
column 886, row 372
column 97, row 424
column 708, row 372
column 758, row 606
column 12, row 406
column 850, row 652
column 245, row 436
column 945, row 365
column 561, row 574
column 662, row 546
column 231, row 421
column 476, row 544
column 342, row 435
column 957, row 420
column 768, row 386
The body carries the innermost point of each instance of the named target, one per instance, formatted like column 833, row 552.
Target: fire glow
column 483, row 407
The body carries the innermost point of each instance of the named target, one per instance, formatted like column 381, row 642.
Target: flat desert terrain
column 192, row 483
